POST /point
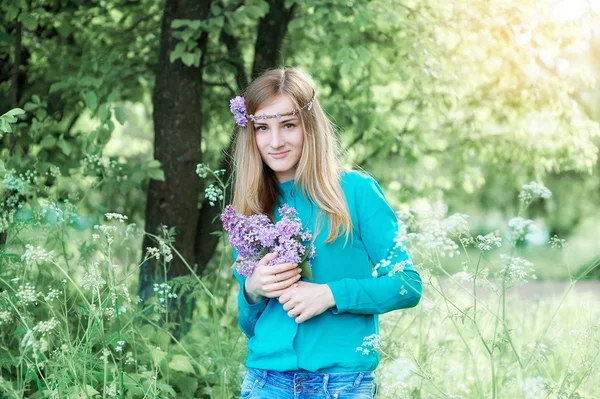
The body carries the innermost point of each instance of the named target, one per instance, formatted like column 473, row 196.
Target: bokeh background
column 116, row 131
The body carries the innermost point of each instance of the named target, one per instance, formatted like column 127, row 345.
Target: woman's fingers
column 282, row 285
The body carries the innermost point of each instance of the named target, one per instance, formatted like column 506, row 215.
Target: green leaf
column 103, row 112
column 91, row 100
column 177, row 52
column 156, row 174
column 153, row 164
column 11, row 12
column 306, row 270
column 58, row 86
column 158, row 356
column 28, row 20
column 138, row 177
column 64, row 146
column 40, row 114
column 178, row 23
column 296, row 23
column 195, row 24
column 5, row 126
column 30, row 106
column 188, row 59
column 14, row 112
column 181, row 363
column 48, row 142
column 120, row 115
column 36, row 98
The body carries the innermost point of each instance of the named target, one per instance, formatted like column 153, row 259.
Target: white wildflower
column 111, row 390
column 519, row 227
column 165, row 249
column 129, row 358
column 45, row 327
column 51, row 295
column 93, row 280
column 119, row 347
column 556, row 242
column 5, row 317
column 516, row 270
column 36, row 254
column 201, row 170
column 485, row 243
column 116, row 216
column 213, row 193
column 533, row 190
column 27, row 293
column 371, row 344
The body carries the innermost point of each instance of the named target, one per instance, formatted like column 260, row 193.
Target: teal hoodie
column 328, row 343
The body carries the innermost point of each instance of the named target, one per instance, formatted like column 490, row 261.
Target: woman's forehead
column 279, row 104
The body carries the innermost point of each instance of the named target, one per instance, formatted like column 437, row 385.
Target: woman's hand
column 306, row 300
column 271, row 281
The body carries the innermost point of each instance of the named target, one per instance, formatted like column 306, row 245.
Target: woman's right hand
column 271, row 281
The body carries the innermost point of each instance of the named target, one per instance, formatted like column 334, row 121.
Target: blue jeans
column 267, row 384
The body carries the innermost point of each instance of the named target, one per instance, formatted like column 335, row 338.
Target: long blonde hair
column 318, row 171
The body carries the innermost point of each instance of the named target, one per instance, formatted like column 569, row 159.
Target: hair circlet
column 238, row 109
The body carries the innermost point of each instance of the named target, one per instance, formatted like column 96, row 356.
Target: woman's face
column 279, row 141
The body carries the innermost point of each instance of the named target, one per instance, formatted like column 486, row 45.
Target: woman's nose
column 276, row 139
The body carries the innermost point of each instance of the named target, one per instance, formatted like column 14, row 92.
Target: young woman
column 303, row 334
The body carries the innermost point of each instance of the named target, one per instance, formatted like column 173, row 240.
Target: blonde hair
column 318, row 171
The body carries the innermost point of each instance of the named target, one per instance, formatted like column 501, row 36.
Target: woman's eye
column 261, row 128
column 289, row 125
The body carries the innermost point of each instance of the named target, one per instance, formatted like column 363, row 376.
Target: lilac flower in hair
column 238, row 109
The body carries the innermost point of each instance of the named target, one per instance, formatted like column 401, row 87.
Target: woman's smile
column 279, row 155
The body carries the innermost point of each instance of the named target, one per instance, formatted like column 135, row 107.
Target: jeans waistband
column 287, row 379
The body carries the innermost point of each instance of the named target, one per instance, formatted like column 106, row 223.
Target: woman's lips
column 280, row 155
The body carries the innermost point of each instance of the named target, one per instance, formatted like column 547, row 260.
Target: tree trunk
column 267, row 50
column 177, row 134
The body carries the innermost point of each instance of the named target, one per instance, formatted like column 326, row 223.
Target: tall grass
column 72, row 325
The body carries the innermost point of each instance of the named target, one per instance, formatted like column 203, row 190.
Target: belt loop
column 263, row 378
column 325, row 381
column 359, row 378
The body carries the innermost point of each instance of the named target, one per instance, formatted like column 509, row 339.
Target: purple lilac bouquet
column 255, row 236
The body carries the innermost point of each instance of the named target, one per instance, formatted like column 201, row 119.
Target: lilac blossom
column 254, row 236
column 237, row 106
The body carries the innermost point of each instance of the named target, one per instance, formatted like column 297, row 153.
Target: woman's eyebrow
column 289, row 120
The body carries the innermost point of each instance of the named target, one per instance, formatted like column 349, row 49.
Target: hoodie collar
column 287, row 188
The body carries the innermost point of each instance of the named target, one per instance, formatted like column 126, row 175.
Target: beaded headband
column 238, row 109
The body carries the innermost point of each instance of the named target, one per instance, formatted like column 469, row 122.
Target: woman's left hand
column 305, row 300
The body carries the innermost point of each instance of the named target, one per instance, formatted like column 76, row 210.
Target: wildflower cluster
column 255, row 236
column 201, row 170
column 432, row 234
column 556, row 242
column 516, row 270
column 213, row 193
column 533, row 190
column 101, row 166
column 19, row 183
column 487, row 242
column 37, row 254
column 519, row 227
column 93, row 280
column 164, row 294
column 371, row 344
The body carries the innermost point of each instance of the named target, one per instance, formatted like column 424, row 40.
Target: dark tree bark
column 271, row 32
column 177, row 119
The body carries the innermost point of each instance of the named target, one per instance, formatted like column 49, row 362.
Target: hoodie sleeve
column 248, row 313
column 395, row 283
